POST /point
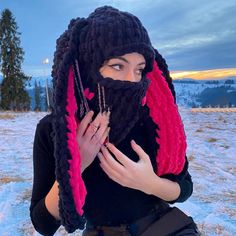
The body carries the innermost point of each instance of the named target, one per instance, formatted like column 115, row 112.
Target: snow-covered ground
column 188, row 92
column 211, row 152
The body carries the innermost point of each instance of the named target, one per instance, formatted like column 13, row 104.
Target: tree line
column 13, row 87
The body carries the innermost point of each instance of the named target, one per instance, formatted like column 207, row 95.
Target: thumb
column 138, row 149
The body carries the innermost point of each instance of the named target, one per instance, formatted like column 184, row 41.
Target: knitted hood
column 160, row 98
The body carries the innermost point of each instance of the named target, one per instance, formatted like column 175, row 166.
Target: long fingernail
column 132, row 141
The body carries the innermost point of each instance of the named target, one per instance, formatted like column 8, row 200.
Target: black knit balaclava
column 111, row 33
column 88, row 43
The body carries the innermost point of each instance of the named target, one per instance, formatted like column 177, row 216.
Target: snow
column 188, row 92
column 212, row 164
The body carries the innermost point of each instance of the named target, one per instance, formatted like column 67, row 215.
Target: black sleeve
column 43, row 179
column 185, row 182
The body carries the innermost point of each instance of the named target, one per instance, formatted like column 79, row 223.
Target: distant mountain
column 186, row 80
column 205, row 93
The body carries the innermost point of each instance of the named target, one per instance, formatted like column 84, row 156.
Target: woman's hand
column 137, row 175
column 91, row 136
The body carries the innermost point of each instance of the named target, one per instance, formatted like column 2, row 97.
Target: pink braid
column 76, row 181
column 164, row 112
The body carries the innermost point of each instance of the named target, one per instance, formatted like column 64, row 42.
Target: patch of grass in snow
column 6, row 116
column 8, row 179
column 191, row 157
column 198, row 168
column 231, row 170
column 225, row 146
column 199, row 130
column 212, row 140
column 230, row 196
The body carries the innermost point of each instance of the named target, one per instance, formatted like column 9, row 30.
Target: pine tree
column 13, row 92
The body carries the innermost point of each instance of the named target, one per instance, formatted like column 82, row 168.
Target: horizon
column 214, row 74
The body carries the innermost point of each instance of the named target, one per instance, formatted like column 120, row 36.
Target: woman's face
column 127, row 67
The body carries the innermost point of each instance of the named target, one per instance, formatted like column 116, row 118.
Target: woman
column 112, row 153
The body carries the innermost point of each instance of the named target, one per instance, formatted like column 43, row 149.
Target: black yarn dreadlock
column 63, row 58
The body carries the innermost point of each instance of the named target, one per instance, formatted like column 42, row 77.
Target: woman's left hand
column 136, row 175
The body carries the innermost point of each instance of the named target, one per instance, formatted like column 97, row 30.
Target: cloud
column 213, row 55
column 191, row 35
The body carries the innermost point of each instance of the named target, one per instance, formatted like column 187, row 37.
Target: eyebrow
column 123, row 59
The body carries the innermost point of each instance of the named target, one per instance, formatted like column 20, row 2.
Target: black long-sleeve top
column 107, row 202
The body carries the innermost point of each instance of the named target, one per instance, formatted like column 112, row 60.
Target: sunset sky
column 204, row 74
column 197, row 38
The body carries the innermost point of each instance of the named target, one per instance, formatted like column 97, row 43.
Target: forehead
column 136, row 57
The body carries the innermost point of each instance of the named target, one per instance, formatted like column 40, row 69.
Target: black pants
column 190, row 230
column 143, row 224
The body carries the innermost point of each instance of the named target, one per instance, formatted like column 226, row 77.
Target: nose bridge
column 130, row 75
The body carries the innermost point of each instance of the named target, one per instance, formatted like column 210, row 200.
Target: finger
column 123, row 159
column 100, row 141
column 138, row 149
column 107, row 168
column 101, row 131
column 93, row 127
column 114, row 165
column 84, row 123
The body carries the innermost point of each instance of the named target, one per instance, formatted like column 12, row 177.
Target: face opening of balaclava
column 123, row 99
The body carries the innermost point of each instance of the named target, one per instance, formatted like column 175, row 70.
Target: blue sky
column 190, row 34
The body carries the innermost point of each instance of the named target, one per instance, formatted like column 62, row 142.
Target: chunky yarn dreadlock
column 80, row 52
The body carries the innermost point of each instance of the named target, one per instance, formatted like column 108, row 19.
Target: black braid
column 66, row 51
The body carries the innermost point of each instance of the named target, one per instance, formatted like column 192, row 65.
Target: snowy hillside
column 187, row 93
column 211, row 152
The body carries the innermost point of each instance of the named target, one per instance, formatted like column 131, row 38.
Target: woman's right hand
column 91, row 135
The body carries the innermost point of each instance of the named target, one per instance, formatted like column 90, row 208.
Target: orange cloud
column 204, row 74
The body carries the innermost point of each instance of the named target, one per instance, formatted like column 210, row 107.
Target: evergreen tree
column 13, row 92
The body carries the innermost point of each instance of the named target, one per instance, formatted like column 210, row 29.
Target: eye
column 116, row 66
column 140, row 71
